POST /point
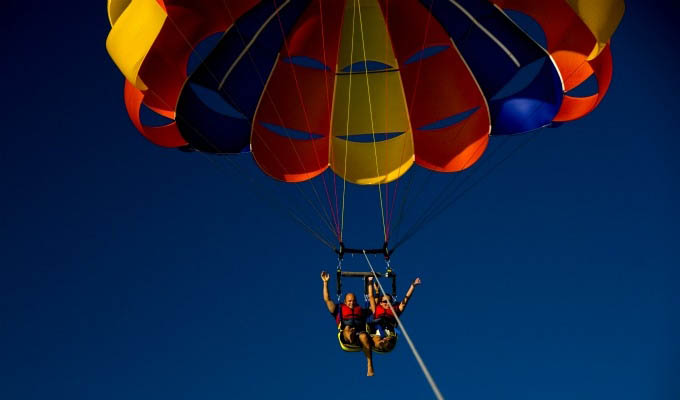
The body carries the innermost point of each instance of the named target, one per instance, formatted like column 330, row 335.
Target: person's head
column 385, row 300
column 350, row 300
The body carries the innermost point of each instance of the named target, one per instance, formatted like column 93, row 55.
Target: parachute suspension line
column 420, row 361
column 440, row 204
column 387, row 185
column 262, row 193
column 388, row 40
column 435, row 213
column 349, row 102
column 322, row 217
column 530, row 137
column 410, row 111
column 406, row 200
column 406, row 197
column 446, row 192
column 207, row 141
column 193, row 50
column 247, row 46
column 450, row 190
column 407, row 193
column 325, row 218
column 455, row 175
column 329, row 111
column 370, row 111
column 309, row 127
column 311, row 183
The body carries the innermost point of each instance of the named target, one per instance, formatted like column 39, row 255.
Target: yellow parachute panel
column 135, row 24
column 601, row 17
column 372, row 141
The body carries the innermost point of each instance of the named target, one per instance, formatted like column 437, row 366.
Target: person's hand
column 416, row 282
column 325, row 276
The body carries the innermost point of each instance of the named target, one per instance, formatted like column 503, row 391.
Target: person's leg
column 348, row 334
column 376, row 341
column 366, row 347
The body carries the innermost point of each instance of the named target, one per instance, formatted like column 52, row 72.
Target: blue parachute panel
column 496, row 50
column 530, row 108
column 236, row 70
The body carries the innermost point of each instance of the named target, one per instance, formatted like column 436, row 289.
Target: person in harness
column 384, row 322
column 351, row 319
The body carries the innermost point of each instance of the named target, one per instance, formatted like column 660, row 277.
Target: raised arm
column 408, row 295
column 371, row 298
column 325, row 276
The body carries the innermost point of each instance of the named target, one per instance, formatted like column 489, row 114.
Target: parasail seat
column 373, row 330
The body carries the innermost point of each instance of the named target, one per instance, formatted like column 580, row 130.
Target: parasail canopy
column 365, row 88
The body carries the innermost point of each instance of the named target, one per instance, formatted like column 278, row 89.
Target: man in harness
column 351, row 318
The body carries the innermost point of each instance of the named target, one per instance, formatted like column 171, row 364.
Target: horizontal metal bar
column 361, row 251
column 359, row 274
column 363, row 274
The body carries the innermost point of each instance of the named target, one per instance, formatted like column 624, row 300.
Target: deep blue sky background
column 130, row 271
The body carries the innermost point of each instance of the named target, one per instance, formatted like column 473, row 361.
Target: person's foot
column 369, row 372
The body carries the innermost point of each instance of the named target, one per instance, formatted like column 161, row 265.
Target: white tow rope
column 433, row 385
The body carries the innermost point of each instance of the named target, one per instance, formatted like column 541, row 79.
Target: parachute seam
column 370, row 111
column 487, row 32
column 413, row 96
column 325, row 219
column 303, row 195
column 329, row 110
column 309, row 128
column 349, row 102
column 295, row 217
column 247, row 46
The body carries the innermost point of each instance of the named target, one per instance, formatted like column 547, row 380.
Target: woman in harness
column 351, row 319
column 384, row 322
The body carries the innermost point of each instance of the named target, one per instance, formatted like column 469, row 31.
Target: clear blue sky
column 130, row 271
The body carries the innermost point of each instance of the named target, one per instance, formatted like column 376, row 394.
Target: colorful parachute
column 365, row 87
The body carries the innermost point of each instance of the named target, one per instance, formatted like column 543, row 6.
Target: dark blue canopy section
column 291, row 133
column 425, row 53
column 496, row 50
column 448, row 121
column 528, row 108
column 371, row 137
column 236, row 71
column 368, row 65
column 307, row 62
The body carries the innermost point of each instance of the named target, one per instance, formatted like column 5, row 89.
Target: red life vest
column 351, row 316
column 385, row 313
